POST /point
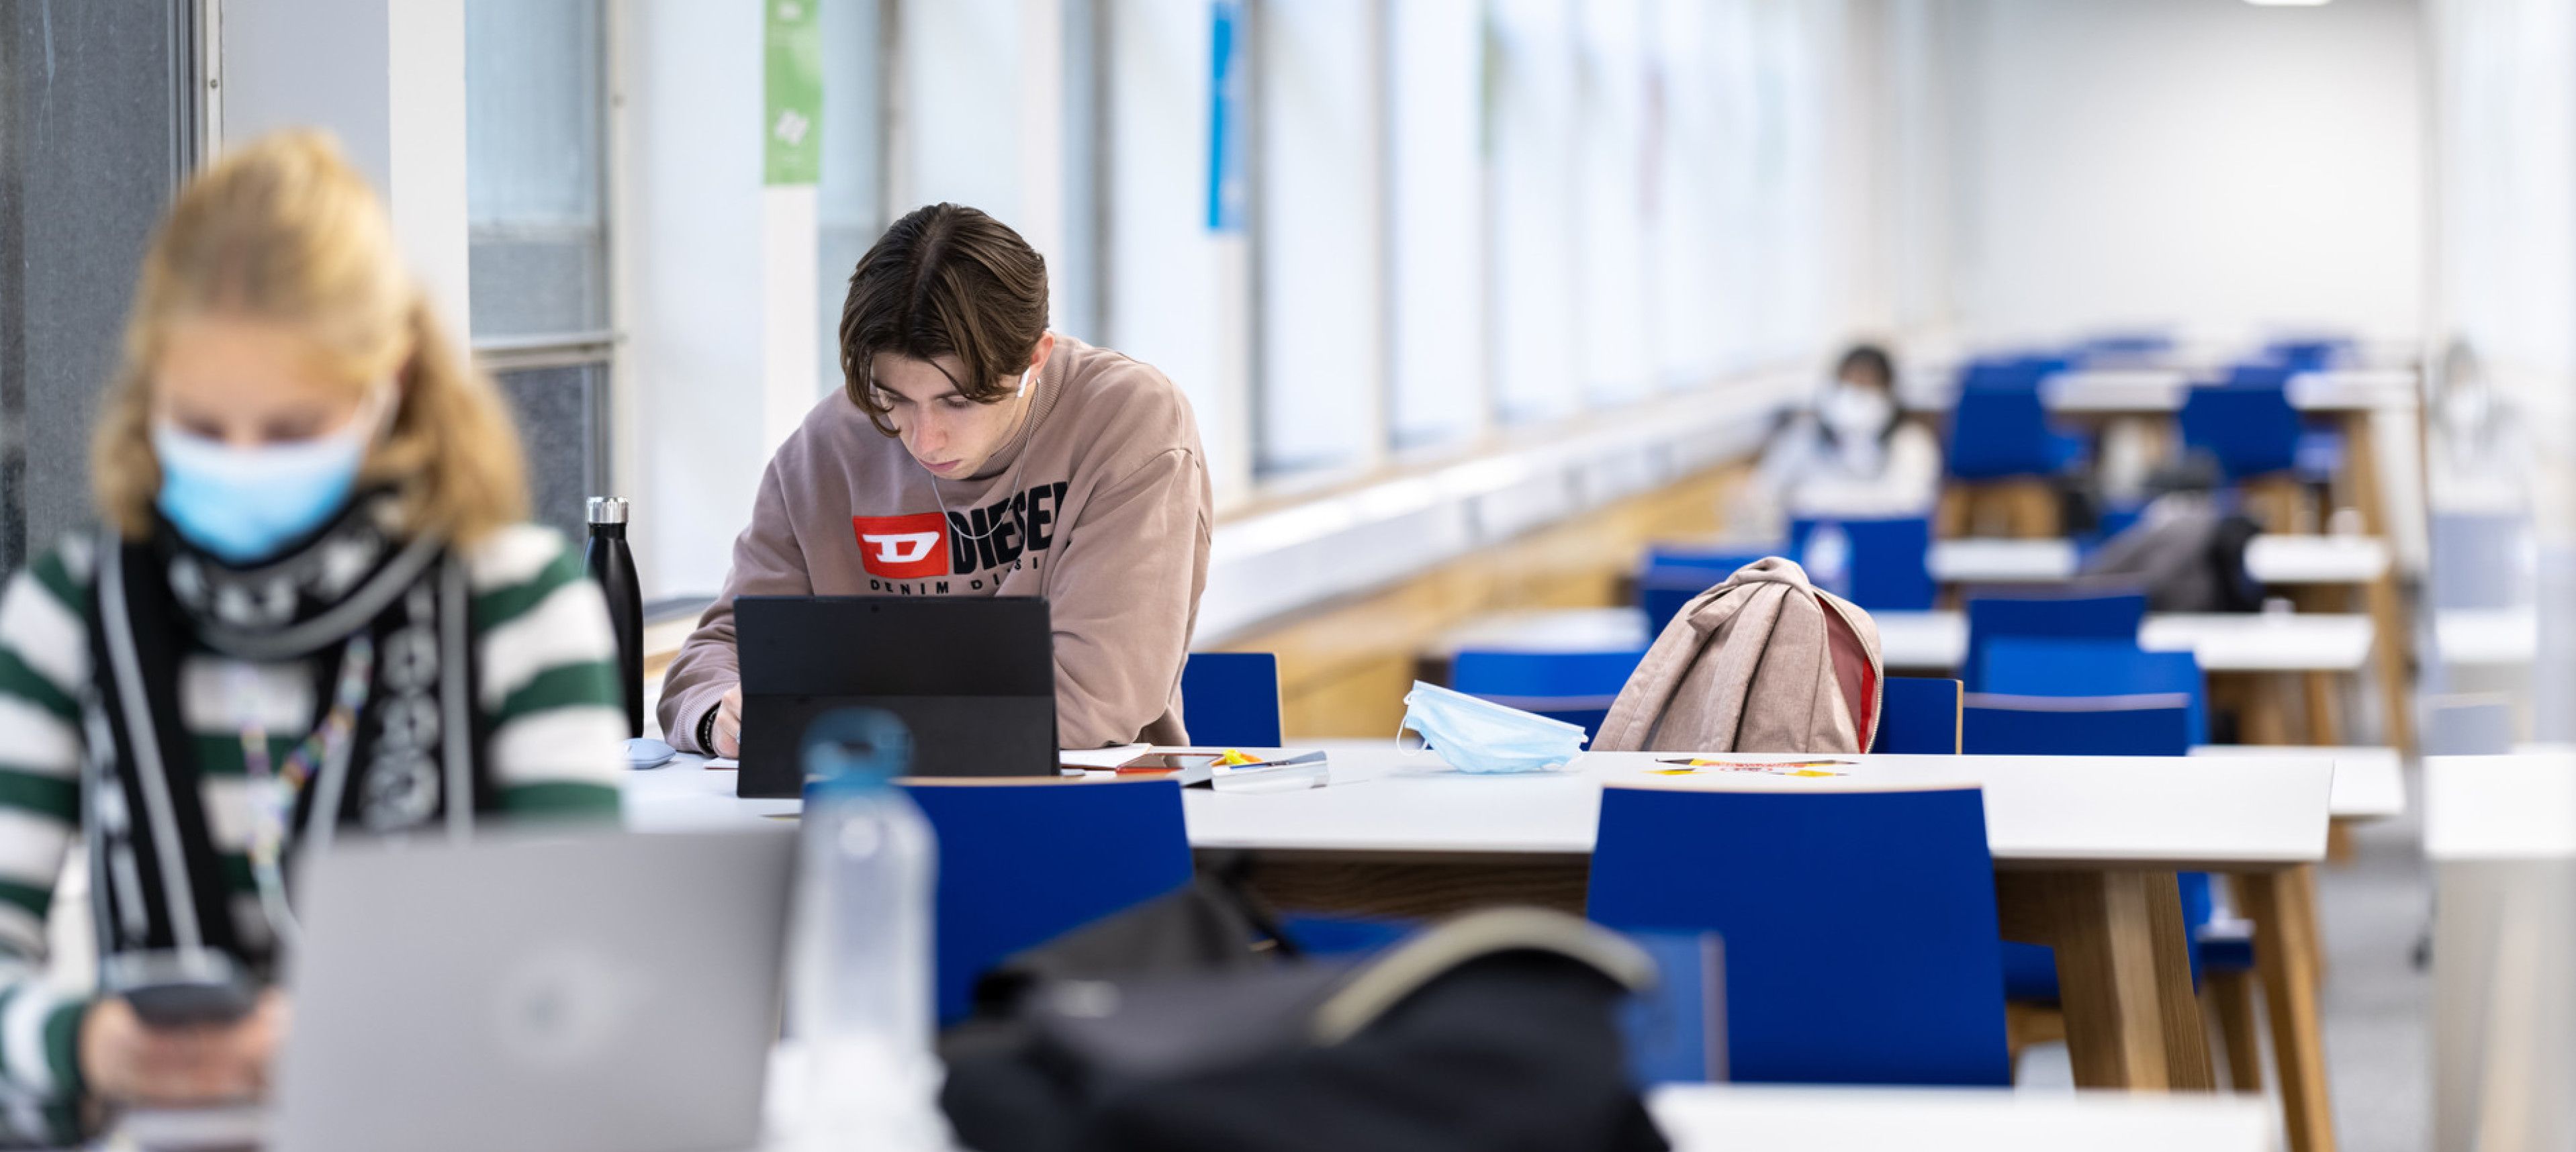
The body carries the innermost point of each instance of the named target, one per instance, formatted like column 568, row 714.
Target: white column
column 400, row 114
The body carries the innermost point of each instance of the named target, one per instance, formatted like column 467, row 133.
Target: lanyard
column 275, row 790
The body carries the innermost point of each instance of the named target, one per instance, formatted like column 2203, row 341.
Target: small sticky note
column 1236, row 758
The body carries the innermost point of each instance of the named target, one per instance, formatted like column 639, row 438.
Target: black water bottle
column 608, row 561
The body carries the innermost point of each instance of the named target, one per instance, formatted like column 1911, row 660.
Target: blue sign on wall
column 1226, row 134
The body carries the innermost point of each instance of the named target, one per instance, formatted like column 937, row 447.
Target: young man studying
column 974, row 453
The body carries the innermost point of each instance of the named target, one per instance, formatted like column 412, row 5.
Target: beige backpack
column 1765, row 662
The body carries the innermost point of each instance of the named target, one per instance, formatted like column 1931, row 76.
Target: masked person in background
column 974, row 453
column 312, row 606
column 1852, row 453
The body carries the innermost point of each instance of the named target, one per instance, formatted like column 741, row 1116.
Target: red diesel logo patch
column 903, row 547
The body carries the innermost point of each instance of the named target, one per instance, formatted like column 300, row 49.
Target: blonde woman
column 312, row 606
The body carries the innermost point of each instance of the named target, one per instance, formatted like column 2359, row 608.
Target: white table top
column 2269, row 558
column 2518, row 806
column 2158, row 391
column 2369, row 782
column 1763, row 1118
column 2224, row 641
column 2149, row 391
column 2486, row 637
column 1937, row 640
column 2039, row 809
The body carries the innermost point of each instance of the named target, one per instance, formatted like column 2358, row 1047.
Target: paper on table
column 1097, row 758
column 721, row 764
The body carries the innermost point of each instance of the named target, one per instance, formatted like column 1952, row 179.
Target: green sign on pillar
column 792, row 65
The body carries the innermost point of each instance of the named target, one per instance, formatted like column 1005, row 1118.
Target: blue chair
column 2155, row 724
column 1023, row 863
column 1674, row 573
column 2142, row 725
column 2308, row 354
column 1919, row 716
column 2028, row 666
column 2003, row 433
column 2072, row 616
column 1231, row 698
column 1883, row 568
column 2482, row 560
column 1576, row 687
column 2248, row 430
column 1875, row 964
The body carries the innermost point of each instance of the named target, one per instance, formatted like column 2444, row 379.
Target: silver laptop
column 600, row 991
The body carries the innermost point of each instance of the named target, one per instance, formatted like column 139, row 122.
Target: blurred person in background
column 312, row 605
column 972, row 452
column 1851, row 452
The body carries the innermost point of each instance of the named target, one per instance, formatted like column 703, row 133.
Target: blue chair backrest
column 2308, row 355
column 2482, row 560
column 2250, row 429
column 1997, row 433
column 1918, row 715
column 1021, row 864
column 2095, row 616
column 1231, row 698
column 2032, row 666
column 1883, row 566
column 2479, row 725
column 2149, row 725
column 1873, row 960
column 1576, row 687
column 1674, row 573
column 1722, row 559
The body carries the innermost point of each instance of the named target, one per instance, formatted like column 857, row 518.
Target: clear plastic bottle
column 859, row 994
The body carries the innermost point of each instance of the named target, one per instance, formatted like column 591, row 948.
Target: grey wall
column 89, row 151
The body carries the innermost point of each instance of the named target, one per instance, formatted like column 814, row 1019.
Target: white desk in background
column 1748, row 1118
column 2271, row 558
column 2486, row 637
column 2160, row 391
column 2500, row 834
column 2369, row 781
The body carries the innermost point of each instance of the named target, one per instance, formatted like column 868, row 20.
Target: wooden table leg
column 2286, row 952
column 2122, row 973
column 2322, row 729
column 2389, row 640
column 2231, row 999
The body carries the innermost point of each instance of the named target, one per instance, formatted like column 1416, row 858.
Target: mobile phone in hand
column 180, row 988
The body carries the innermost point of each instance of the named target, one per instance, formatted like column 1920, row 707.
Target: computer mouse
column 647, row 752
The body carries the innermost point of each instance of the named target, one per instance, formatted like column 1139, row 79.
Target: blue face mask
column 1483, row 737
column 246, row 504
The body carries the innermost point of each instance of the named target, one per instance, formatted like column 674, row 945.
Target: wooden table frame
column 2123, row 951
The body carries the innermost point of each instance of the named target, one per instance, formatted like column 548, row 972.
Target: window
column 850, row 205
column 1536, row 195
column 1435, row 227
column 537, row 233
column 1616, row 207
column 114, row 89
column 1317, row 215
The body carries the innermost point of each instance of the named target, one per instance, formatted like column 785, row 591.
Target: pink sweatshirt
column 1107, row 518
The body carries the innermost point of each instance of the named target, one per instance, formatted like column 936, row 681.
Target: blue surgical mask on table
column 1483, row 737
column 244, row 504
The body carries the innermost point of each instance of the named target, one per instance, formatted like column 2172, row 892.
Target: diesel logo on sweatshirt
column 903, row 547
column 928, row 546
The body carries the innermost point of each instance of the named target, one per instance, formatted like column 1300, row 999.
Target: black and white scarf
column 412, row 753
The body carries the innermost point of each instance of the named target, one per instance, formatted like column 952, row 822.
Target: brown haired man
column 974, row 453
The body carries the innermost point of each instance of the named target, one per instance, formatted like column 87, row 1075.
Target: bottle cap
column 607, row 509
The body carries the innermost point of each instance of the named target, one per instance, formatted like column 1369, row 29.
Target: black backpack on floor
column 1182, row 1024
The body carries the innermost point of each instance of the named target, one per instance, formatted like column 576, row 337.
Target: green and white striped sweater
column 546, row 663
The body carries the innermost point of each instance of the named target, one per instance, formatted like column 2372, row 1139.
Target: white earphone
column 1024, row 383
